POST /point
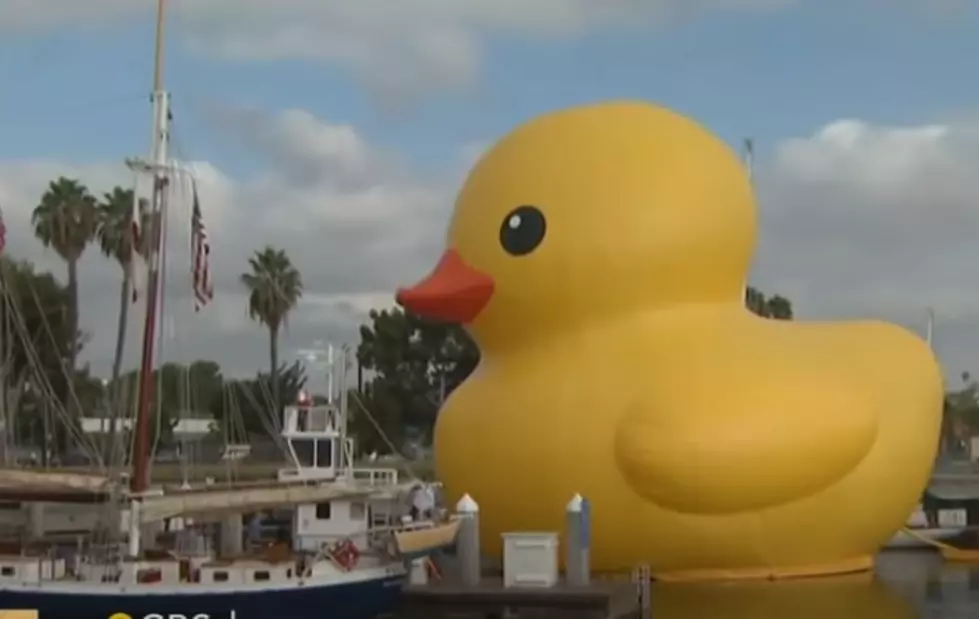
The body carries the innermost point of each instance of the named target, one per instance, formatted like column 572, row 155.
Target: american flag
column 200, row 249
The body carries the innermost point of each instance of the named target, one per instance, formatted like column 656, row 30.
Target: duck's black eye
column 522, row 230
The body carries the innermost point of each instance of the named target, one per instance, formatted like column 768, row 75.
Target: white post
column 329, row 374
column 467, row 546
column 134, row 527
column 577, row 535
column 419, row 572
column 642, row 578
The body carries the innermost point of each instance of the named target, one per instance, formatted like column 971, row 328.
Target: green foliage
column 114, row 229
column 34, row 313
column 415, row 364
column 960, row 418
column 274, row 288
column 243, row 407
column 776, row 306
column 66, row 220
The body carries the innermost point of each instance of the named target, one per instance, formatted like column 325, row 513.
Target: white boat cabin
column 245, row 571
column 19, row 568
column 321, row 452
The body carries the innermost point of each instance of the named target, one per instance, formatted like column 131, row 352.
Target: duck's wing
column 752, row 447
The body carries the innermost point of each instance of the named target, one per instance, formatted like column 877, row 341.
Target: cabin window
column 6, row 570
column 323, row 510
column 324, row 454
column 261, row 575
column 305, row 452
column 357, row 510
column 220, row 577
column 289, row 573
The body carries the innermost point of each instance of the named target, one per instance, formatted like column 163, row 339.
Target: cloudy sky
column 340, row 131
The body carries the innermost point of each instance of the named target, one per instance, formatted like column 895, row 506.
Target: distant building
column 189, row 428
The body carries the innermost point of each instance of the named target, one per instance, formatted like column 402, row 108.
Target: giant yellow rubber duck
column 598, row 255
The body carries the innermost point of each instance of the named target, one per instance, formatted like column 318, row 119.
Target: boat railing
column 375, row 476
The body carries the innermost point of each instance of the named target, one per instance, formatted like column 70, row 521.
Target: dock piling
column 468, row 550
column 577, row 533
column 642, row 577
column 231, row 535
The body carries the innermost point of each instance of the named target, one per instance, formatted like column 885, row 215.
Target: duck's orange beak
column 453, row 292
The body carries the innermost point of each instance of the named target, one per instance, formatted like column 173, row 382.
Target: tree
column 960, row 416
column 181, row 391
column 66, row 219
column 416, row 363
column 242, row 407
column 777, row 306
column 274, row 288
column 38, row 379
column 117, row 238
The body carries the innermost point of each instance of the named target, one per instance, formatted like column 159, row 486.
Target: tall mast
column 930, row 327
column 158, row 167
column 749, row 162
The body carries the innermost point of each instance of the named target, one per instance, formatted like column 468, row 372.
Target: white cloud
column 865, row 220
column 398, row 48
column 856, row 220
column 353, row 219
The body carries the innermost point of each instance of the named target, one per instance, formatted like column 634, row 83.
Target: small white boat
column 425, row 540
column 951, row 523
column 903, row 539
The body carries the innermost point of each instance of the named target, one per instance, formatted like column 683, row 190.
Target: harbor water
column 907, row 584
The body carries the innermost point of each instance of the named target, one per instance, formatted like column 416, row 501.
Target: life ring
column 345, row 554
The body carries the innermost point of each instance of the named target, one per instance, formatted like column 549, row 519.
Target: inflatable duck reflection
column 833, row 597
column 597, row 256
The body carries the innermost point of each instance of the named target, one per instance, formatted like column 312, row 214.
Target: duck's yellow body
column 598, row 257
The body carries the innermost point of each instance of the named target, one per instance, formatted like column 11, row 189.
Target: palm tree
column 66, row 219
column 274, row 288
column 117, row 239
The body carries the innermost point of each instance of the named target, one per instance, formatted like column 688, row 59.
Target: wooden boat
column 421, row 542
column 948, row 552
column 922, row 537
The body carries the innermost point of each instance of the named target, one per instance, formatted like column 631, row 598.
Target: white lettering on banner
column 231, row 615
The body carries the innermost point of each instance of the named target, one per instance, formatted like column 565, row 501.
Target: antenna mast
column 158, row 167
column 749, row 162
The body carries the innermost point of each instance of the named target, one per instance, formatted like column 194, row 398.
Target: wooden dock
column 600, row 600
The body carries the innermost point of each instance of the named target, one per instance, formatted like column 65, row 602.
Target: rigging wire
column 43, row 384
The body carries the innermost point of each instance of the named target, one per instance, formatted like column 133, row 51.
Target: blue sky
column 426, row 82
column 770, row 74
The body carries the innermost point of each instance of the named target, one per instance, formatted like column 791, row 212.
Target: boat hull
column 363, row 599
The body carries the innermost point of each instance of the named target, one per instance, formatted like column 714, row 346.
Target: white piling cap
column 574, row 505
column 467, row 505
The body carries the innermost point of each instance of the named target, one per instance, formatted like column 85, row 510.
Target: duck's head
column 587, row 213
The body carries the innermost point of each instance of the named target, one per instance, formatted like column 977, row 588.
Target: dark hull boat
column 362, row 595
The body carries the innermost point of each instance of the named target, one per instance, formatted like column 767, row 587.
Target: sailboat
column 344, row 560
